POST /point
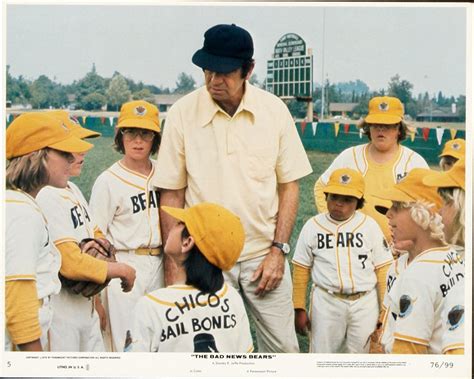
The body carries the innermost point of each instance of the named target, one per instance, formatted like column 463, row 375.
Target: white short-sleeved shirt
column 29, row 254
column 181, row 318
column 418, row 299
column 343, row 256
column 233, row 161
column 126, row 208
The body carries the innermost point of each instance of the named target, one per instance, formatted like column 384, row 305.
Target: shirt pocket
column 261, row 163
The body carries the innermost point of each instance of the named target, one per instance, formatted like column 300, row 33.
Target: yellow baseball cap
column 139, row 114
column 217, row 232
column 346, row 181
column 73, row 124
column 33, row 131
column 411, row 189
column 454, row 177
column 454, row 148
column 384, row 110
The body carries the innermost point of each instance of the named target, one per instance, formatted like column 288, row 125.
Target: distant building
column 439, row 115
column 342, row 109
column 165, row 101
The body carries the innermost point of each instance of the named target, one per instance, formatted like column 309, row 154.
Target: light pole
column 322, row 65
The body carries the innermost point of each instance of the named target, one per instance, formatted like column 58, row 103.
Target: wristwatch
column 284, row 247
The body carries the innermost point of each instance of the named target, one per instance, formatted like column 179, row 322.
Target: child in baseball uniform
column 453, row 150
column 125, row 206
column 451, row 187
column 383, row 161
column 199, row 312
column 430, row 271
column 38, row 149
column 75, row 325
column 414, row 183
column 347, row 256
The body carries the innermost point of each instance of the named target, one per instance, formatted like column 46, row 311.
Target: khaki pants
column 273, row 314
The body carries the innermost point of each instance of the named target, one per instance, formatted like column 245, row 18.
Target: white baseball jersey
column 388, row 323
column 129, row 199
column 67, row 213
column 75, row 325
column 417, row 300
column 181, row 318
column 126, row 207
column 453, row 317
column 377, row 177
column 29, row 252
column 29, row 255
column 343, row 255
column 356, row 158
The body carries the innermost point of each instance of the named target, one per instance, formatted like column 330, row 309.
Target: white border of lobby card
column 260, row 365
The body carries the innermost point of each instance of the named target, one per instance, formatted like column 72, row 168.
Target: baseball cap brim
column 215, row 63
column 85, row 133
column 177, row 213
column 382, row 209
column 395, row 194
column 453, row 154
column 380, row 205
column 441, row 180
column 343, row 190
column 138, row 123
column 72, row 144
column 384, row 119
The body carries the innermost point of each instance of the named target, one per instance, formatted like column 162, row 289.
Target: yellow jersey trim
column 410, row 339
column 133, row 172
column 20, row 277
column 167, row 303
column 126, row 181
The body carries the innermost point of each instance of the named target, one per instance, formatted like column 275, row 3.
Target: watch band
column 284, row 247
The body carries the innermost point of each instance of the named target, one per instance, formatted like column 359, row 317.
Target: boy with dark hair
column 199, row 311
column 347, row 255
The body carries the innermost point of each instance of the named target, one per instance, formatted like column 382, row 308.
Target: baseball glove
column 87, row 288
column 375, row 345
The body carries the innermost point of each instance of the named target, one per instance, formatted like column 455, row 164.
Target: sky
column 153, row 43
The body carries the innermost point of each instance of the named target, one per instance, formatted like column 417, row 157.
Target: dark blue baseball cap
column 225, row 48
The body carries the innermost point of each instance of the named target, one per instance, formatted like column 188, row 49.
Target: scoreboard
column 290, row 72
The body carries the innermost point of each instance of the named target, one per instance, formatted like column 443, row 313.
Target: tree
column 92, row 83
column 254, row 80
column 297, row 108
column 185, row 83
column 461, row 107
column 118, row 92
column 45, row 93
column 363, row 107
column 400, row 89
column 18, row 91
column 93, row 101
column 144, row 94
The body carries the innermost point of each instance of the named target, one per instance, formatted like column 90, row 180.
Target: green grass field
column 103, row 155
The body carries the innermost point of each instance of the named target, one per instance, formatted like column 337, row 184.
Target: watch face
column 285, row 248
